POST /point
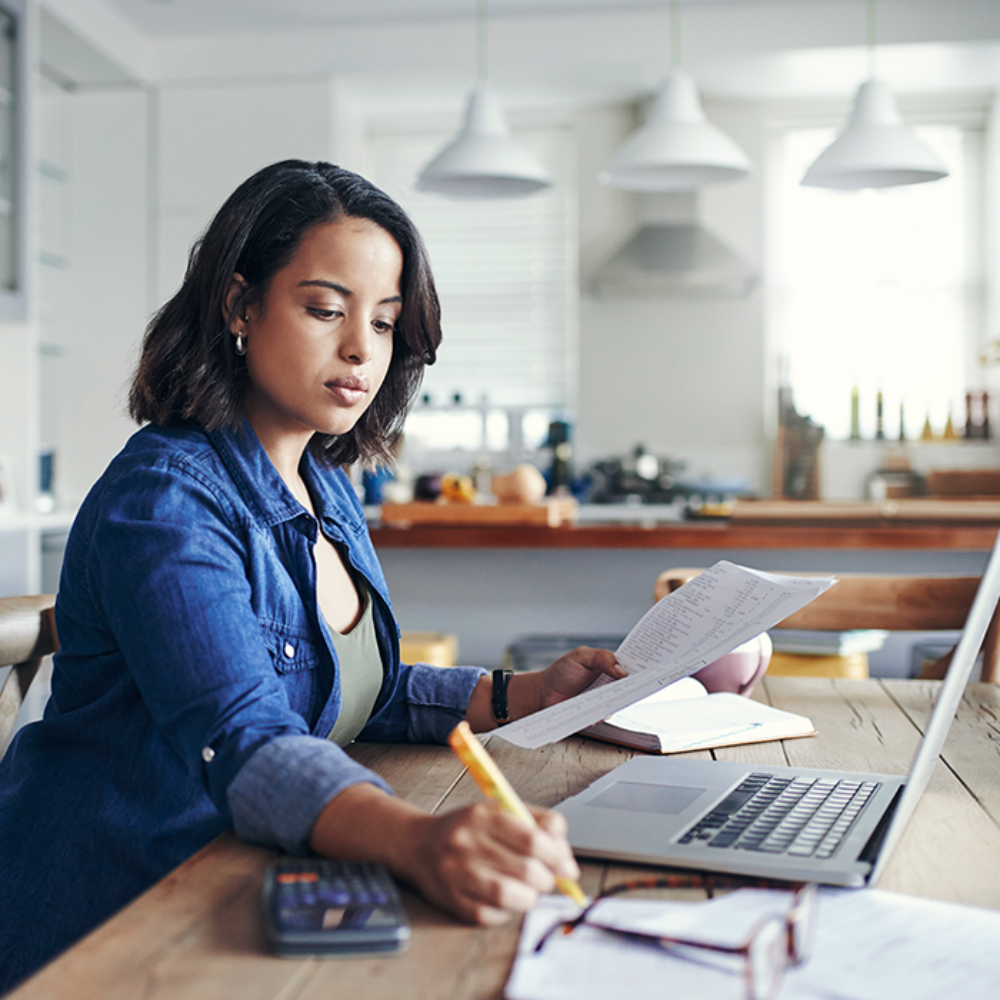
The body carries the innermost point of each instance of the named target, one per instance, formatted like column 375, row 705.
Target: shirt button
column 289, row 650
column 208, row 755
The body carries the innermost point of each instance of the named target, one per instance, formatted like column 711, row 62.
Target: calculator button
column 334, row 897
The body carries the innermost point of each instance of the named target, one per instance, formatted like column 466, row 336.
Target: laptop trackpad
column 666, row 800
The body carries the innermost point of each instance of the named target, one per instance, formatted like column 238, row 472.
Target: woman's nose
column 356, row 344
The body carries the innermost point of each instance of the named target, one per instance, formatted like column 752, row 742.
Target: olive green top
column 360, row 666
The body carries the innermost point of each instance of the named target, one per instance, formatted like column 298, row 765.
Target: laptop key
column 801, row 816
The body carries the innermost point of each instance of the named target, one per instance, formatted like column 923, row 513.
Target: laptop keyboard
column 801, row 817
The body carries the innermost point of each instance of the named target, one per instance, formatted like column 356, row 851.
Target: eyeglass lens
column 768, row 957
column 802, row 924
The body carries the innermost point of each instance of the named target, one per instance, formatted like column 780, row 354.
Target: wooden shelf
column 951, row 526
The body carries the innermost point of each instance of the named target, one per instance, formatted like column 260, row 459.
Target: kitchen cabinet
column 13, row 297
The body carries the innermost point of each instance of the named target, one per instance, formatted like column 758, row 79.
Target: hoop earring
column 241, row 346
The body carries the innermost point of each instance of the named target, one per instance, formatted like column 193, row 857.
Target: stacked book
column 800, row 652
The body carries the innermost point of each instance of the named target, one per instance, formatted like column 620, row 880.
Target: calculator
column 314, row 906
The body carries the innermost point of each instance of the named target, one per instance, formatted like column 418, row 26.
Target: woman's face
column 318, row 345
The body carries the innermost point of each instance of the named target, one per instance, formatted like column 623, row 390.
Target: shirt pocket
column 296, row 659
column 292, row 651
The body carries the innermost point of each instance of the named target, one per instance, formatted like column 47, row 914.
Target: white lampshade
column 677, row 149
column 483, row 161
column 875, row 150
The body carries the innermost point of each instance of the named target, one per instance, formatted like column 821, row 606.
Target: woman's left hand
column 575, row 672
column 532, row 691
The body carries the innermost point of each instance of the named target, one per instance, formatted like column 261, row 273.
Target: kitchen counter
column 490, row 585
column 959, row 525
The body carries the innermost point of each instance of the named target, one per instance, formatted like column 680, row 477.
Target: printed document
column 869, row 945
column 706, row 618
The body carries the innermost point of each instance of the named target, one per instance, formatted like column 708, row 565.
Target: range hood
column 672, row 256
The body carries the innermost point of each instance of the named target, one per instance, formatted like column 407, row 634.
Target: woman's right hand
column 485, row 865
column 478, row 862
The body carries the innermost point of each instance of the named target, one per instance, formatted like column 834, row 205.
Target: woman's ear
column 237, row 287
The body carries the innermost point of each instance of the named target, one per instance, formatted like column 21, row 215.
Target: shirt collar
column 265, row 491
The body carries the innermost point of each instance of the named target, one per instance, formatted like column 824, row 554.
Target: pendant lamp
column 875, row 149
column 483, row 161
column 677, row 149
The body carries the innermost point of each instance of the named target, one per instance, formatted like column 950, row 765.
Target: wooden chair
column 27, row 636
column 893, row 603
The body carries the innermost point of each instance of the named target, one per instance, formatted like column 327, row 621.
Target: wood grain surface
column 198, row 933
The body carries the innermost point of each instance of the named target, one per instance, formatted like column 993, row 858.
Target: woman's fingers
column 562, row 863
column 485, row 865
column 575, row 672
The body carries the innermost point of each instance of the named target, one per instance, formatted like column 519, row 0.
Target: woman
column 224, row 622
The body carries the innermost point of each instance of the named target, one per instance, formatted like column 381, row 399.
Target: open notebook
column 683, row 716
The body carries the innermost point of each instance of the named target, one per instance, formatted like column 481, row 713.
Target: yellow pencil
column 495, row 786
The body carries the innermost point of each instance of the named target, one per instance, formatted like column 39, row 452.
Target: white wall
column 210, row 138
column 18, row 405
column 97, row 317
column 685, row 378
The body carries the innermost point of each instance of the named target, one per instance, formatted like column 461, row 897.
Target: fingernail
column 569, row 869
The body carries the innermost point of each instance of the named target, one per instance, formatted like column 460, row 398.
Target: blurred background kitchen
column 666, row 347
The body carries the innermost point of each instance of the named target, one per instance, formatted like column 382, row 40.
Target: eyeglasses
column 773, row 943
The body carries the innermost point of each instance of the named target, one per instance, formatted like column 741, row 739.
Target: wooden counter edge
column 724, row 535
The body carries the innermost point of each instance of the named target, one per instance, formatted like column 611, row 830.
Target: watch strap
column 501, row 678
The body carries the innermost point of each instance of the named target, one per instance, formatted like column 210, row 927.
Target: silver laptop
column 801, row 824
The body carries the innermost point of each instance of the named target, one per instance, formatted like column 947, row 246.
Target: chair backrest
column 893, row 603
column 27, row 636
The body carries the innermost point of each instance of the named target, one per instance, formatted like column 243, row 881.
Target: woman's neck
column 285, row 452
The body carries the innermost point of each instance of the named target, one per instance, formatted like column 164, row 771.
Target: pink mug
column 739, row 670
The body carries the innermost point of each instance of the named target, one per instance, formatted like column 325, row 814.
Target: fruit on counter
column 456, row 488
column 524, row 485
column 723, row 509
column 427, row 487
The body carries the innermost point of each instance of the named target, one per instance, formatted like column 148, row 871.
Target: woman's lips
column 348, row 391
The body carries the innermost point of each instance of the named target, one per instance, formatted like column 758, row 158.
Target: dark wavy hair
column 188, row 370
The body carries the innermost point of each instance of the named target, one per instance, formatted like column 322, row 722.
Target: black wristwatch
column 501, row 678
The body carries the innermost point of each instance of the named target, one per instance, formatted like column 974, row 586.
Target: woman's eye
column 384, row 326
column 323, row 313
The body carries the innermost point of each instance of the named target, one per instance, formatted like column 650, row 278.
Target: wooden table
column 198, row 933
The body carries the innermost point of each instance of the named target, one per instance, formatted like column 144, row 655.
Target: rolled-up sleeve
column 279, row 793
column 438, row 698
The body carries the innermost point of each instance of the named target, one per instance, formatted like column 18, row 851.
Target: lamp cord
column 482, row 46
column 675, row 34
column 872, row 19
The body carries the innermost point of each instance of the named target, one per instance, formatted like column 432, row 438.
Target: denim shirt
column 195, row 686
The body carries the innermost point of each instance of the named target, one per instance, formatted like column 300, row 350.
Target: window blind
column 506, row 272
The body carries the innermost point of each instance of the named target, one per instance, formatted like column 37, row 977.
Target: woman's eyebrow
column 322, row 283
column 343, row 289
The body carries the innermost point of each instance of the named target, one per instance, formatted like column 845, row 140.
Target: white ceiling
column 193, row 17
column 546, row 52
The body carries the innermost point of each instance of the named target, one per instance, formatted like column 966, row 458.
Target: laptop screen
column 962, row 662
